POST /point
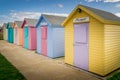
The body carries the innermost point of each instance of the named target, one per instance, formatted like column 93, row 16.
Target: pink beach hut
column 29, row 33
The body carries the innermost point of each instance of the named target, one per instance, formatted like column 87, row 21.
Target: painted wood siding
column 38, row 40
column 112, row 48
column 4, row 34
column 23, row 37
column 95, row 43
column 50, row 41
column 96, row 46
column 19, row 36
column 26, row 45
column 69, row 42
column 15, row 35
column 58, row 42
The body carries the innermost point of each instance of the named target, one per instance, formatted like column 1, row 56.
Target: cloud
column 58, row 14
column 111, row 0
column 93, row 0
column 60, row 5
column 89, row 0
column 117, row 14
column 21, row 15
column 117, row 5
column 102, row 0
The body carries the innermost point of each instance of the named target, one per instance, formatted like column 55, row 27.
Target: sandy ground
column 37, row 67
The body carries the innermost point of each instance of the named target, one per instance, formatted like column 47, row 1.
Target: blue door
column 26, row 37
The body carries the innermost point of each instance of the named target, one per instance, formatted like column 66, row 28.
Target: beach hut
column 5, row 30
column 92, row 40
column 10, row 32
column 50, row 36
column 29, row 33
column 18, row 32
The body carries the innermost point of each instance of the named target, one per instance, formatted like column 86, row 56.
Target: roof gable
column 9, row 25
column 4, row 25
column 54, row 19
column 29, row 22
column 18, row 23
column 51, row 20
column 102, row 16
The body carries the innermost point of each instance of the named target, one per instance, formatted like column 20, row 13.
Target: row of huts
column 89, row 38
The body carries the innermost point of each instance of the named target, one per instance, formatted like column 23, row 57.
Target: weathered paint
column 81, row 45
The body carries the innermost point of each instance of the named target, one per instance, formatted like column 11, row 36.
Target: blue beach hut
column 50, row 36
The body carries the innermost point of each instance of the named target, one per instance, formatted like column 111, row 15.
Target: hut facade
column 18, row 33
column 92, row 40
column 5, row 30
column 50, row 36
column 29, row 33
column 10, row 32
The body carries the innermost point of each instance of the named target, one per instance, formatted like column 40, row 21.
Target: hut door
column 15, row 37
column 81, row 45
column 26, row 37
column 44, row 40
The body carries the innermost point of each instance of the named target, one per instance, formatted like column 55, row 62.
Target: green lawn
column 8, row 71
column 116, row 76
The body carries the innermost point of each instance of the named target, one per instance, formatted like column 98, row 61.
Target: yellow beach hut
column 92, row 40
column 18, row 32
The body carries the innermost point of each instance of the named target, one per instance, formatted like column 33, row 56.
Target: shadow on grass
column 8, row 71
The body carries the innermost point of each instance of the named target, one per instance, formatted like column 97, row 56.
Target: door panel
column 44, row 40
column 44, row 47
column 26, row 37
column 44, row 32
column 81, row 45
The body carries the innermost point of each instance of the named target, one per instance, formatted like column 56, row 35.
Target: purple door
column 81, row 45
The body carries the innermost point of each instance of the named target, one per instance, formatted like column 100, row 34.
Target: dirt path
column 37, row 67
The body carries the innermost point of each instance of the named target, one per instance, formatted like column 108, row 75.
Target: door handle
column 75, row 44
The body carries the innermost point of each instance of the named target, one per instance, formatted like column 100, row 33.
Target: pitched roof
column 10, row 24
column 18, row 23
column 54, row 19
column 4, row 25
column 31, row 22
column 103, row 16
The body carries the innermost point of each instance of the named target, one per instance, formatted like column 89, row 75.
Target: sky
column 11, row 10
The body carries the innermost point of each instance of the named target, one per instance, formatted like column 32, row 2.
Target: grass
column 8, row 71
column 116, row 76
